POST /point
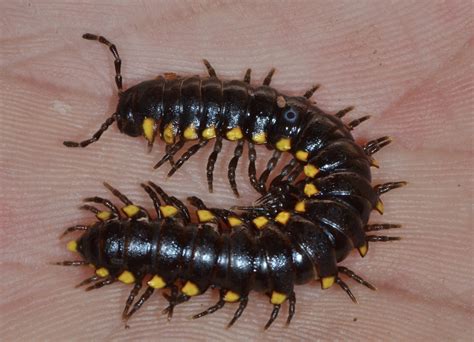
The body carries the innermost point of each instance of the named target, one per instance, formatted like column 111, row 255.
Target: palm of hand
column 408, row 67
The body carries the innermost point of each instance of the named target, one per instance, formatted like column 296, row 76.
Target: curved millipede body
column 310, row 217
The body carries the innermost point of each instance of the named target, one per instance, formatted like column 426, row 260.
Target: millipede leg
column 247, row 76
column 106, row 281
column 138, row 304
column 188, row 154
column 233, row 165
column 212, row 161
column 96, row 136
column 90, row 208
column 242, row 305
column 154, row 198
column 104, row 202
column 210, row 69
column 183, row 210
column 268, row 79
column 113, row 49
column 138, row 214
column 167, row 150
column 197, row 203
column 118, row 194
column 311, row 91
column 219, row 305
column 171, row 200
column 295, row 173
column 291, row 308
column 131, row 297
column 380, row 226
column 343, row 112
column 171, row 152
column 271, row 164
column 346, row 288
column 252, row 170
column 354, row 276
column 386, row 187
column 89, row 280
column 78, row 227
column 72, row 263
column 166, row 198
column 354, row 123
column 376, row 145
column 284, row 172
column 273, row 316
column 222, row 214
column 174, row 299
column 381, row 238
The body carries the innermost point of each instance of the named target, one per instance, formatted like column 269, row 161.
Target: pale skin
column 405, row 64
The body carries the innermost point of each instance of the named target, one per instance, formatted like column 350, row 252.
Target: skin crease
column 406, row 64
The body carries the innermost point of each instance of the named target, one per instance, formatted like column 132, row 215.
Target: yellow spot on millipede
column 234, row 134
column 277, row 298
column 157, row 282
column 190, row 133
column 169, row 134
column 231, row 297
column 260, row 222
column 205, row 216
column 209, row 133
column 102, row 272
column 302, row 155
column 168, row 210
column 363, row 250
column 149, row 129
column 126, row 277
column 190, row 289
column 260, row 138
column 310, row 170
column 284, row 144
column 131, row 210
column 234, row 221
column 327, row 282
column 103, row 215
column 283, row 217
column 300, row 207
column 72, row 246
column 310, row 189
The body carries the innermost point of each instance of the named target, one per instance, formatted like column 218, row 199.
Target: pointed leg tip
column 230, row 324
column 70, row 144
column 88, row 36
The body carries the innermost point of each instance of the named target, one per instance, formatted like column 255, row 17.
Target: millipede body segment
column 307, row 220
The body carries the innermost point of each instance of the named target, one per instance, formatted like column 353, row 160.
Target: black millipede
column 307, row 220
column 181, row 109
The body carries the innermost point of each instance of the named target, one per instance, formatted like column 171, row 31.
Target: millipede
column 306, row 221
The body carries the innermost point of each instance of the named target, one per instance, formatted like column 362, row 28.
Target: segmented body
column 299, row 230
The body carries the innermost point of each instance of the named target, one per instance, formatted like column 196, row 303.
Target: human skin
column 406, row 64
